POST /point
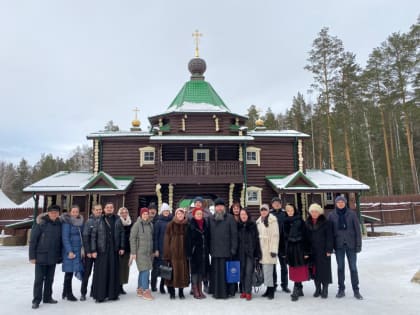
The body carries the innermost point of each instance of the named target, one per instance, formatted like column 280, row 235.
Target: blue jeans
column 143, row 282
column 351, row 254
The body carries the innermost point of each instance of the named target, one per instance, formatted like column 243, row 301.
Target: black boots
column 162, row 286
column 122, row 290
column 271, row 291
column 357, row 295
column 297, row 291
column 266, row 293
column 181, row 293
column 171, row 291
column 340, row 294
column 67, row 289
column 317, row 289
column 324, row 293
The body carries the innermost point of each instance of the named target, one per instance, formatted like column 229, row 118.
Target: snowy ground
column 386, row 266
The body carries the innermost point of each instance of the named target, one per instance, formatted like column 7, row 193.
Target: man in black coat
column 223, row 246
column 348, row 242
column 45, row 253
column 107, row 244
column 278, row 211
column 87, row 237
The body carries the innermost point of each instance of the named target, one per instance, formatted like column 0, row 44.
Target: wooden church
column 197, row 147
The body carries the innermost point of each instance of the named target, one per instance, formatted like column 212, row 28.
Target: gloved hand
column 273, row 255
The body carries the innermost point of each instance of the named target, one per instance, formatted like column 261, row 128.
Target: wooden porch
column 200, row 172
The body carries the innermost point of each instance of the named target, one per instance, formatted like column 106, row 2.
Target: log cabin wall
column 200, row 123
column 277, row 157
column 121, row 157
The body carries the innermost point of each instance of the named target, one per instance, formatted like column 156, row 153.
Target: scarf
column 342, row 224
column 200, row 224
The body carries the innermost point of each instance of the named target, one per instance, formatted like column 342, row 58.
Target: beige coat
column 269, row 239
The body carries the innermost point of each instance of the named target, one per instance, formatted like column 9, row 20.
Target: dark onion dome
column 197, row 67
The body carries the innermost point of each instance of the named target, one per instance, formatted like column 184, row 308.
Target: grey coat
column 141, row 243
column 351, row 236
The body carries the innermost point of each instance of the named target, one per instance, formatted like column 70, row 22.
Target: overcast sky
column 68, row 67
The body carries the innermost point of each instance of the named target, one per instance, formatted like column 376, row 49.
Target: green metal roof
column 197, row 92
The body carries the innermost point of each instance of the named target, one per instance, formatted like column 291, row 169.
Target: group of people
column 195, row 246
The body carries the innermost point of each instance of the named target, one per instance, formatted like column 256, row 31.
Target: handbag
column 165, row 272
column 258, row 276
column 233, row 271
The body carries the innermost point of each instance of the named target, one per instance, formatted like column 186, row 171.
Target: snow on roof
column 322, row 180
column 76, row 182
column 278, row 133
column 30, row 203
column 107, row 134
column 197, row 107
column 5, row 202
column 201, row 138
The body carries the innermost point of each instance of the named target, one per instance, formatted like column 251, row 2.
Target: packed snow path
column 386, row 266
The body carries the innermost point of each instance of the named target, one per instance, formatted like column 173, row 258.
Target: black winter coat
column 352, row 235
column 159, row 229
column 248, row 240
column 98, row 238
column 197, row 247
column 87, row 232
column 294, row 241
column 223, row 237
column 321, row 238
column 127, row 231
column 46, row 244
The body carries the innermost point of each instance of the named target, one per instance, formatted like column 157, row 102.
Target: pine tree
column 324, row 60
column 252, row 117
column 22, row 179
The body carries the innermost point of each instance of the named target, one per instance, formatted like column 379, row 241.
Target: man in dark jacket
column 348, row 242
column 107, row 244
column 87, row 238
column 45, row 252
column 278, row 211
column 223, row 246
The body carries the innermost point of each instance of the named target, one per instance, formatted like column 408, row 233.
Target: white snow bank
column 386, row 266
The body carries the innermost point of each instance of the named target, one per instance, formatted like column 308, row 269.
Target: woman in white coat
column 268, row 230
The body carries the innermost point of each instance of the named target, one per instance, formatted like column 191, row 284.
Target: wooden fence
column 391, row 213
column 9, row 216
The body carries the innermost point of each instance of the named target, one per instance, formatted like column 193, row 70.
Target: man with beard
column 223, row 246
column 107, row 244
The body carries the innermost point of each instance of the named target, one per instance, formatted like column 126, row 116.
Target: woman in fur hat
column 320, row 234
column 174, row 253
column 124, row 259
column 72, row 227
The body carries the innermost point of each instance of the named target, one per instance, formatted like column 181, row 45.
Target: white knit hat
column 164, row 207
column 316, row 207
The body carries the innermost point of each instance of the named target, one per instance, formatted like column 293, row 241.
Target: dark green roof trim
column 103, row 176
column 275, row 176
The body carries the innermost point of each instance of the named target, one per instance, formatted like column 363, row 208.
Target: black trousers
column 283, row 271
column 88, row 266
column 44, row 278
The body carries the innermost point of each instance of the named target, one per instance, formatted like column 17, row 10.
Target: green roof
column 197, row 92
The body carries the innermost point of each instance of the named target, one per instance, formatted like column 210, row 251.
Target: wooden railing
column 212, row 169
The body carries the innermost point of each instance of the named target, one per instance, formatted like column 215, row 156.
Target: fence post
column 413, row 209
column 382, row 213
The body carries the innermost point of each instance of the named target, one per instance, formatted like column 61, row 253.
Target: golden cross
column 197, row 36
column 136, row 110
